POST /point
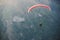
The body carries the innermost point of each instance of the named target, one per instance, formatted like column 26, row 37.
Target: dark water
column 39, row 24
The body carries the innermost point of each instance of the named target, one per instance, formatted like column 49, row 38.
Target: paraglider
column 39, row 5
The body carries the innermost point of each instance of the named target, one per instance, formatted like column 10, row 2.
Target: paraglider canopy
column 39, row 5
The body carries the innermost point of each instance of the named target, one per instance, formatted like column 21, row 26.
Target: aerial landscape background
column 39, row 24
